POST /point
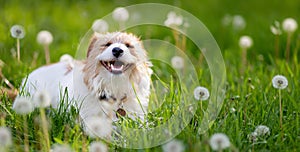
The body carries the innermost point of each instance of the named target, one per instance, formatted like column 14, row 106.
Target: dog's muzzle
column 115, row 66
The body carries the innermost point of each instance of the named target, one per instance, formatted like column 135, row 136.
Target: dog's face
column 117, row 53
column 117, row 70
column 114, row 62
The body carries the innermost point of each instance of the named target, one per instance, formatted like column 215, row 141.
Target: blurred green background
column 68, row 21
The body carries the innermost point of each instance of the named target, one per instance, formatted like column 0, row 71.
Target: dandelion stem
column 18, row 50
column 26, row 140
column 287, row 49
column 176, row 37
column 276, row 46
column 183, row 42
column 280, row 110
column 201, row 105
column 244, row 61
column 45, row 129
column 47, row 54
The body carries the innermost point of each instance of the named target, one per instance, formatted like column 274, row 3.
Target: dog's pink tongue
column 117, row 67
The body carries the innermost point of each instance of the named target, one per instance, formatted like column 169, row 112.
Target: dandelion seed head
column 120, row 14
column 97, row 146
column 173, row 146
column 17, row 31
column 245, row 42
column 219, row 141
column 100, row 26
column 66, row 58
column 289, row 25
column 279, row 82
column 98, row 127
column 238, row 22
column 276, row 28
column 61, row 148
column 177, row 62
column 201, row 93
column 173, row 20
column 191, row 108
column 44, row 38
column 5, row 137
column 42, row 99
column 232, row 110
column 23, row 105
column 262, row 130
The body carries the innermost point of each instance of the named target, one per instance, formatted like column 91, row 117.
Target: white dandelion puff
column 275, row 29
column 238, row 22
column 177, row 62
column 42, row 99
column 66, row 58
column 98, row 146
column 201, row 93
column 173, row 146
column 173, row 20
column 5, row 137
column 191, row 108
column 245, row 42
column 219, row 141
column 279, row 82
column 23, row 105
column 289, row 25
column 120, row 14
column 44, row 38
column 98, row 127
column 262, row 130
column 17, row 31
column 61, row 148
column 100, row 26
column 232, row 110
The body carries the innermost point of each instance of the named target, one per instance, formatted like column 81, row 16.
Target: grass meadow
column 250, row 97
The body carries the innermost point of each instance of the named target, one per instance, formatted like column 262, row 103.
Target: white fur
column 84, row 95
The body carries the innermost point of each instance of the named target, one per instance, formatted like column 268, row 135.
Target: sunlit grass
column 250, row 98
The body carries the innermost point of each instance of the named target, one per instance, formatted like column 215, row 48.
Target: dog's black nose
column 117, row 52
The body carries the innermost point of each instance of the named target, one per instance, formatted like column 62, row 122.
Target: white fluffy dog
column 115, row 77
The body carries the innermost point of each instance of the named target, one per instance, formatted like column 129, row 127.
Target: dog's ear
column 91, row 46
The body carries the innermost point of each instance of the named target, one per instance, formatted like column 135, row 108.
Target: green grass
column 251, row 94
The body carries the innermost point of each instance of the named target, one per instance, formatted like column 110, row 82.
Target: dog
column 114, row 79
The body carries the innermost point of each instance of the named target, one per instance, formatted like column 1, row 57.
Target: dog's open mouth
column 115, row 67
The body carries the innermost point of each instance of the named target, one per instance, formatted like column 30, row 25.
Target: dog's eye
column 107, row 44
column 128, row 45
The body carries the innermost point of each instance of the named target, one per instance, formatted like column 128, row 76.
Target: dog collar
column 120, row 111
